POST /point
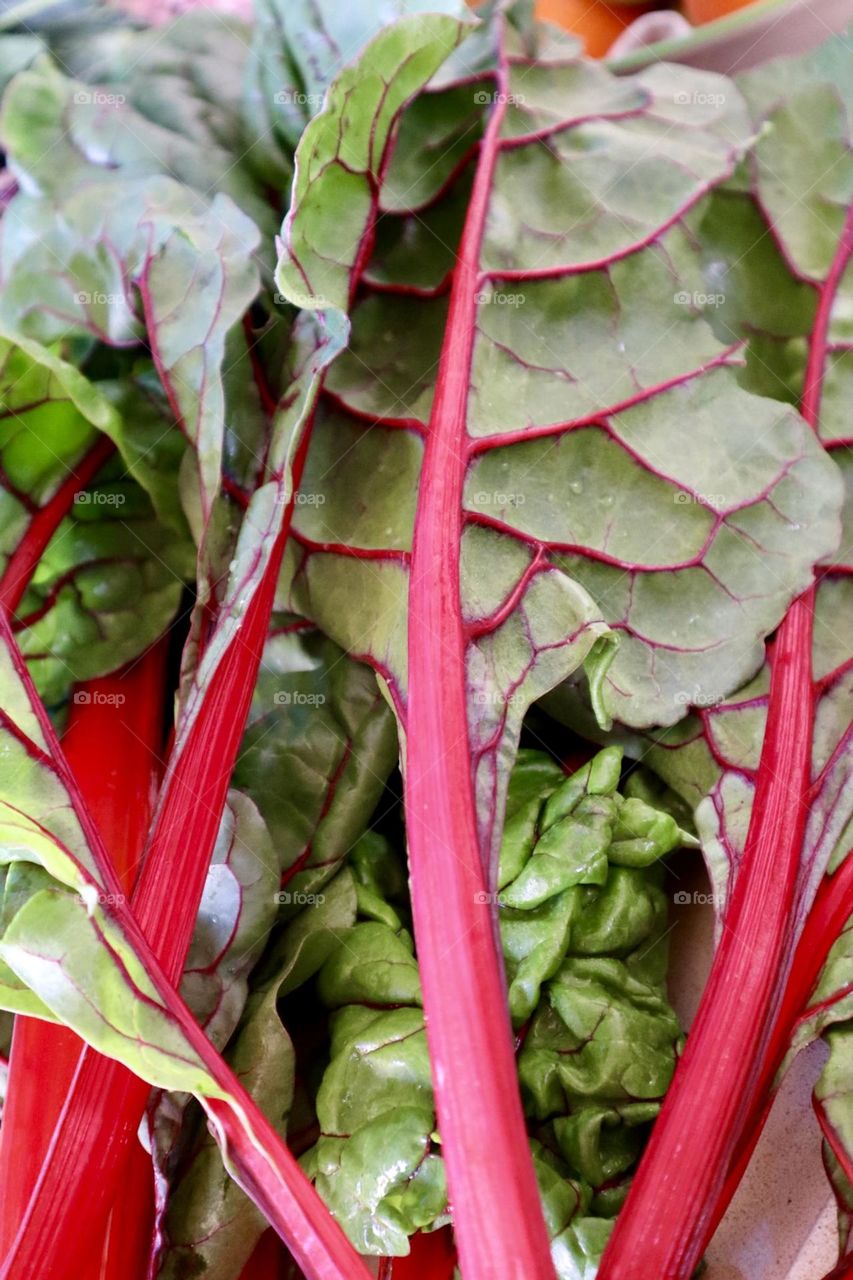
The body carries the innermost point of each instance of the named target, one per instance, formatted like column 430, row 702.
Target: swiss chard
column 502, row 454
column 517, row 411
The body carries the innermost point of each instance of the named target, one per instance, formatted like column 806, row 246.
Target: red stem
column 684, row 1168
column 267, row 1170
column 843, row 1271
column 268, row 1261
column 106, row 1103
column 691, row 1162
column 24, row 559
column 497, row 1213
column 112, row 744
column 832, row 909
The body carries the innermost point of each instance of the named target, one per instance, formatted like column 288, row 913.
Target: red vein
column 24, row 559
column 484, row 443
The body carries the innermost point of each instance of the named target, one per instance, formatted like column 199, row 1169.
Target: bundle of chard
column 424, row 471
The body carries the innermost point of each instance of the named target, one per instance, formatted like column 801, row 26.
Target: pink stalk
column 497, row 1213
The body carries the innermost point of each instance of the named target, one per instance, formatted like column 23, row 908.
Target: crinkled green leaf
column 602, row 1034
column 376, row 964
column 597, row 1039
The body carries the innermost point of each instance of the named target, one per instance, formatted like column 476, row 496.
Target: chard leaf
column 60, row 934
column 178, row 268
column 591, row 1081
column 49, row 447
column 318, row 748
column 147, row 122
column 520, row 413
column 148, row 438
column 238, row 909
column 93, row 576
column 298, row 48
column 108, row 585
column 772, row 760
column 333, row 166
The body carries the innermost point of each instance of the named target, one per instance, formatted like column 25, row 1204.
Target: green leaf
column 298, row 48
column 597, row 1038
column 318, row 749
column 50, row 417
column 587, row 304
column 336, row 172
column 144, row 103
column 178, row 268
column 108, row 585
